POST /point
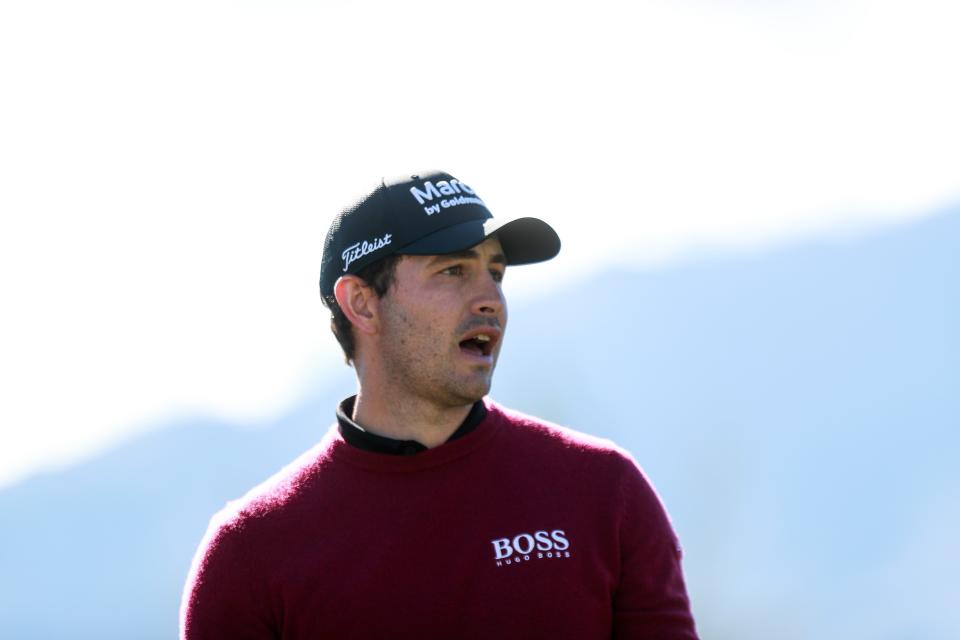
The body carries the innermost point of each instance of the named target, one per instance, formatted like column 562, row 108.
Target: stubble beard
column 419, row 366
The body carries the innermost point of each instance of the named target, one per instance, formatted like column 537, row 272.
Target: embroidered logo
column 444, row 188
column 358, row 250
column 525, row 547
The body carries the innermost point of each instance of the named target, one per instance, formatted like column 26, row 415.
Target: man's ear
column 358, row 301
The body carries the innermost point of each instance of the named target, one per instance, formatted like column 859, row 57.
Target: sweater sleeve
column 218, row 600
column 651, row 600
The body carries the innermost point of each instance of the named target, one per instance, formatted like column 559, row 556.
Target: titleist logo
column 360, row 249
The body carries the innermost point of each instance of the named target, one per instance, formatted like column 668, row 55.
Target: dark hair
column 379, row 276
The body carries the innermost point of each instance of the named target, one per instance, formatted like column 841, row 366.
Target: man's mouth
column 481, row 343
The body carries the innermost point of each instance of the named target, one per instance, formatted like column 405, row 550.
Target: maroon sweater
column 519, row 529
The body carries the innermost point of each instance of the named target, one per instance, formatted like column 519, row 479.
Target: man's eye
column 497, row 275
column 455, row 270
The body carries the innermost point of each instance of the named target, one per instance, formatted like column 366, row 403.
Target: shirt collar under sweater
column 357, row 436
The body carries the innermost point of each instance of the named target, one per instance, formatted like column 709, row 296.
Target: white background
column 168, row 170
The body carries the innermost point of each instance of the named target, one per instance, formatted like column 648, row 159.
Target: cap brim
column 524, row 240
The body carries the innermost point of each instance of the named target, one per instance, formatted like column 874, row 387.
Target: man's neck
column 408, row 418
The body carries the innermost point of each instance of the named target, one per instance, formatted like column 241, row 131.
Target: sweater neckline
column 435, row 457
column 357, row 436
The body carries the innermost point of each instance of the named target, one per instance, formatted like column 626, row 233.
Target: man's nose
column 489, row 299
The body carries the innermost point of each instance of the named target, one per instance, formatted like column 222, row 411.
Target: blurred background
column 757, row 294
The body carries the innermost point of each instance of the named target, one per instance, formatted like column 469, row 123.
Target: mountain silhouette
column 798, row 409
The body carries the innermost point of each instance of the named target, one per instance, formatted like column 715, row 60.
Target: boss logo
column 531, row 546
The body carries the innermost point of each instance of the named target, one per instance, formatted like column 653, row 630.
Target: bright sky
column 168, row 169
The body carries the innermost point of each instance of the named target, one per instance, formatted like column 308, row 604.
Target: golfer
column 428, row 510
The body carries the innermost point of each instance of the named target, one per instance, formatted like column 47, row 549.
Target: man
column 430, row 511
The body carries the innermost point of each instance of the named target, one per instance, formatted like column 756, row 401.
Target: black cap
column 430, row 213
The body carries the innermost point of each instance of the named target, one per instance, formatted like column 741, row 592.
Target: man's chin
column 469, row 393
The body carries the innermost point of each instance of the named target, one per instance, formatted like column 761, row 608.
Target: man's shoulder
column 280, row 492
column 595, row 462
column 539, row 433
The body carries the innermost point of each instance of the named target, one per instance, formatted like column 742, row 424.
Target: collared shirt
column 357, row 436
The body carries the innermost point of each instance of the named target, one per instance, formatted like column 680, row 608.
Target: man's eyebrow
column 468, row 254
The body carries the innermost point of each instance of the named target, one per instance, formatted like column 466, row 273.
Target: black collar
column 356, row 436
